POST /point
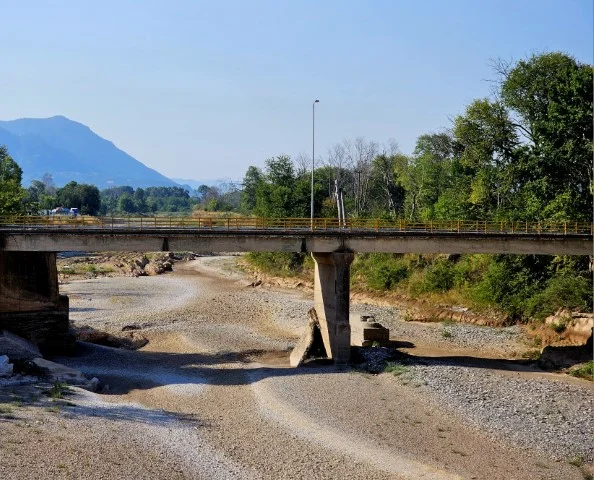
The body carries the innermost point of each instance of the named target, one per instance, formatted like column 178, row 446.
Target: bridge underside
column 30, row 304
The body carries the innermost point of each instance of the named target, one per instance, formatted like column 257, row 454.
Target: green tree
column 552, row 97
column 83, row 196
column 12, row 195
column 251, row 181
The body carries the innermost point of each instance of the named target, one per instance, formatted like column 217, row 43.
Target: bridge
column 30, row 303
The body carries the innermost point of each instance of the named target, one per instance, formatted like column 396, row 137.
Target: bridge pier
column 30, row 303
column 332, row 302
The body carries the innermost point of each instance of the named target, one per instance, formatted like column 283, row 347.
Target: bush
column 562, row 291
column 278, row 263
column 439, row 277
column 381, row 271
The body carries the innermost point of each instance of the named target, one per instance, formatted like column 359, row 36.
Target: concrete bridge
column 30, row 304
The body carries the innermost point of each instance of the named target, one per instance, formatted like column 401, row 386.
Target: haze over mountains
column 72, row 151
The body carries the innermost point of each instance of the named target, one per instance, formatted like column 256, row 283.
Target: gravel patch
column 551, row 416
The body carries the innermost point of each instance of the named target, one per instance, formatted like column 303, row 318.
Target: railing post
column 376, row 225
column 227, row 224
column 458, row 226
column 141, row 224
column 526, row 226
column 565, row 228
column 576, row 227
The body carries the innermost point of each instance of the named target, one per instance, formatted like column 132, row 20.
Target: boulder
column 56, row 372
column 17, row 348
column 5, row 366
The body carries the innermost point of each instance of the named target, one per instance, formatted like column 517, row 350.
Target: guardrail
column 293, row 224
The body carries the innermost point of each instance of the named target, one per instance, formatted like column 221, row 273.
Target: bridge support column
column 332, row 302
column 30, row 303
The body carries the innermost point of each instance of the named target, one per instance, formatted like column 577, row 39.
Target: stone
column 17, row 348
column 93, row 385
column 5, row 366
column 365, row 331
column 56, row 372
column 310, row 344
column 131, row 327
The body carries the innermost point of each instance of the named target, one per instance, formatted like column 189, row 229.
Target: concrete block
column 365, row 331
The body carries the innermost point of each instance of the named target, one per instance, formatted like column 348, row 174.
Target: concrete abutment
column 30, row 303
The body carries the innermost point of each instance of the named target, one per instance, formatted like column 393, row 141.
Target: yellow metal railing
column 292, row 224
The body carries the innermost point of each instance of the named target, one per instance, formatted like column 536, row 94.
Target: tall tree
column 12, row 195
column 552, row 97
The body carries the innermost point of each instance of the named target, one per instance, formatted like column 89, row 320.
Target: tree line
column 524, row 154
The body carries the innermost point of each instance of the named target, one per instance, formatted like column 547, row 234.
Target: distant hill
column 72, row 151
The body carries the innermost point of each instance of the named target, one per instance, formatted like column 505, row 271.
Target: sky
column 203, row 89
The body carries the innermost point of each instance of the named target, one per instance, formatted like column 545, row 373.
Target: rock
column 126, row 328
column 142, row 262
column 310, row 344
column 57, row 372
column 154, row 269
column 93, row 385
column 5, row 366
column 17, row 348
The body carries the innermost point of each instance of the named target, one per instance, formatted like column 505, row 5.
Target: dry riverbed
column 212, row 395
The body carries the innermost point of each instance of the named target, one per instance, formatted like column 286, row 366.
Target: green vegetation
column 58, row 391
column 584, row 371
column 396, row 368
column 12, row 195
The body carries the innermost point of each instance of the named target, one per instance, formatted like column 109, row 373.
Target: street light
column 313, row 156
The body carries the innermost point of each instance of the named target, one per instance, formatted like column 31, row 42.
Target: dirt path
column 212, row 396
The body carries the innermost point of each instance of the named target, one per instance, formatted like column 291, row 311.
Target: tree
column 552, row 97
column 82, row 196
column 251, row 181
column 126, row 204
column 12, row 195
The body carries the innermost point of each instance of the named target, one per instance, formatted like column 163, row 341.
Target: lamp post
column 313, row 156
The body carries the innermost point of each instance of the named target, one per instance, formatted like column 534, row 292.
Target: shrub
column 567, row 291
column 381, row 271
column 439, row 277
column 584, row 371
column 395, row 368
column 278, row 263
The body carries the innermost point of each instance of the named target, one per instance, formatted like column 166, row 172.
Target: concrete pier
column 331, row 301
column 30, row 303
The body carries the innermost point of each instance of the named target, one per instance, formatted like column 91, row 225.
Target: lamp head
column 316, row 101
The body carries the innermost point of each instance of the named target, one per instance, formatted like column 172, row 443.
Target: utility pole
column 313, row 156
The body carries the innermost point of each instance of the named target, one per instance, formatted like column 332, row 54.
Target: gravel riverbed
column 212, row 395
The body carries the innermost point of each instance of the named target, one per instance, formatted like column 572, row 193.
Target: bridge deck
column 236, row 234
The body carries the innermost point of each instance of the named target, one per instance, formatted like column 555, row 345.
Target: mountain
column 72, row 151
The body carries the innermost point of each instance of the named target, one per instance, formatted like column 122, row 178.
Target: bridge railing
column 143, row 223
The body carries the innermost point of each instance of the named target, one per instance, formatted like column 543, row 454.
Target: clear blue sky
column 202, row 89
